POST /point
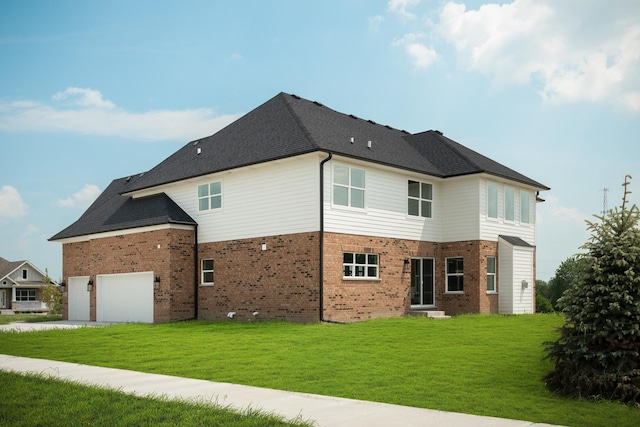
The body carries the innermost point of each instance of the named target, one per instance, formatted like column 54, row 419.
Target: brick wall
column 349, row 300
column 168, row 253
column 280, row 282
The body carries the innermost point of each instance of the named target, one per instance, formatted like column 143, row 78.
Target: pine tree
column 598, row 352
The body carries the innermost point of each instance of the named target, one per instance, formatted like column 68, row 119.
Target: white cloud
column 564, row 214
column 11, row 203
column 400, row 7
column 29, row 231
column 84, row 97
column 87, row 112
column 576, row 51
column 82, row 198
column 421, row 55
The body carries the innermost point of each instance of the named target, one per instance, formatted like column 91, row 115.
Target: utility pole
column 605, row 205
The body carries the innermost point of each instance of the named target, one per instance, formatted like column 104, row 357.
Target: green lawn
column 37, row 401
column 486, row 365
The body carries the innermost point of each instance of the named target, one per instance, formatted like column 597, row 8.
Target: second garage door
column 124, row 297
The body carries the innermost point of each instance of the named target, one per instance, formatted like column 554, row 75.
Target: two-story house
column 298, row 212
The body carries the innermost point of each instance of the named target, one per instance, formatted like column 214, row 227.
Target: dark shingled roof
column 288, row 125
column 284, row 126
column 111, row 212
column 515, row 241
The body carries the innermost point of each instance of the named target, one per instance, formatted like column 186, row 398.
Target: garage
column 124, row 297
column 78, row 298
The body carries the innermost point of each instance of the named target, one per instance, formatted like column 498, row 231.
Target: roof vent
column 438, row 132
column 196, row 142
column 295, row 96
column 372, row 122
column 128, row 178
column 353, row 117
column 317, row 103
column 369, row 144
column 352, row 140
column 198, row 150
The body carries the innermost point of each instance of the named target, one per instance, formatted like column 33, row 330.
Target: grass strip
column 29, row 400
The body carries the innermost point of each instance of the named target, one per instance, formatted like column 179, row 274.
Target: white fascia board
column 114, row 233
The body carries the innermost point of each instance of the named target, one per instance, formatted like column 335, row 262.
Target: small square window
column 207, row 271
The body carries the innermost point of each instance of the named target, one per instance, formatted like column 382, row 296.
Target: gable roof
column 111, row 212
column 8, row 267
column 288, row 125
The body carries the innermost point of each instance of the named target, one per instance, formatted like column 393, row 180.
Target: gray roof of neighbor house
column 288, row 125
column 8, row 267
column 111, row 212
column 284, row 126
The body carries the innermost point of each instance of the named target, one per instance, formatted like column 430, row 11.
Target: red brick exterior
column 169, row 253
column 280, row 282
column 283, row 280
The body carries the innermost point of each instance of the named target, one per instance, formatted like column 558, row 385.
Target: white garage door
column 125, row 297
column 78, row 298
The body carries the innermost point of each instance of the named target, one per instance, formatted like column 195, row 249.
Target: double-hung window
column 420, row 199
column 207, row 272
column 492, row 200
column 455, row 274
column 210, row 196
column 360, row 265
column 348, row 186
column 524, row 207
column 491, row 274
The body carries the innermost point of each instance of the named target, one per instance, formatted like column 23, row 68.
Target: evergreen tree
column 598, row 352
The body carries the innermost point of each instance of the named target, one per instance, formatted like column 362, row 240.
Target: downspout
column 196, row 276
column 321, row 257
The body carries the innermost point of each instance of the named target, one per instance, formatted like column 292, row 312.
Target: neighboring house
column 20, row 286
column 298, row 212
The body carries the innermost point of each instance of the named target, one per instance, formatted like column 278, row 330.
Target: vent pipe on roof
column 369, row 144
column 352, row 140
column 198, row 150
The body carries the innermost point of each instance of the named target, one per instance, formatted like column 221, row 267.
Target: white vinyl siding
column 461, row 209
column 280, row 197
column 385, row 214
column 515, row 265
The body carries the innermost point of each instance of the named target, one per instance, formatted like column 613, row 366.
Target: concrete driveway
column 43, row 326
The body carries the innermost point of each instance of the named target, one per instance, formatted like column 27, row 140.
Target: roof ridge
column 295, row 116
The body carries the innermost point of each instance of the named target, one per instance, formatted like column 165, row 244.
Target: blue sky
column 92, row 91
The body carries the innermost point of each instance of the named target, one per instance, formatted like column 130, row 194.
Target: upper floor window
column 420, row 199
column 207, row 271
column 492, row 200
column 360, row 265
column 210, row 196
column 455, row 274
column 509, row 203
column 491, row 274
column 348, row 186
column 24, row 274
column 524, row 207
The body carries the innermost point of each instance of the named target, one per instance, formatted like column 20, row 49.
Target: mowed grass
column 486, row 365
column 34, row 400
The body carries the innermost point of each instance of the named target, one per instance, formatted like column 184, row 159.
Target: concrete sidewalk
column 322, row 410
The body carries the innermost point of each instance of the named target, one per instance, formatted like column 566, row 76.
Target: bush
column 543, row 305
column 598, row 352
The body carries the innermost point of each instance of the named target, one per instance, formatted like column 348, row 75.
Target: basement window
column 360, row 266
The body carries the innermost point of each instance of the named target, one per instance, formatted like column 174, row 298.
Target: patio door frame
column 418, row 266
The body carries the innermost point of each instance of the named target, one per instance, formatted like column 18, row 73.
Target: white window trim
column 360, row 278
column 202, row 271
column 209, row 197
column 447, row 274
column 494, row 274
column 349, row 187
column 419, row 199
